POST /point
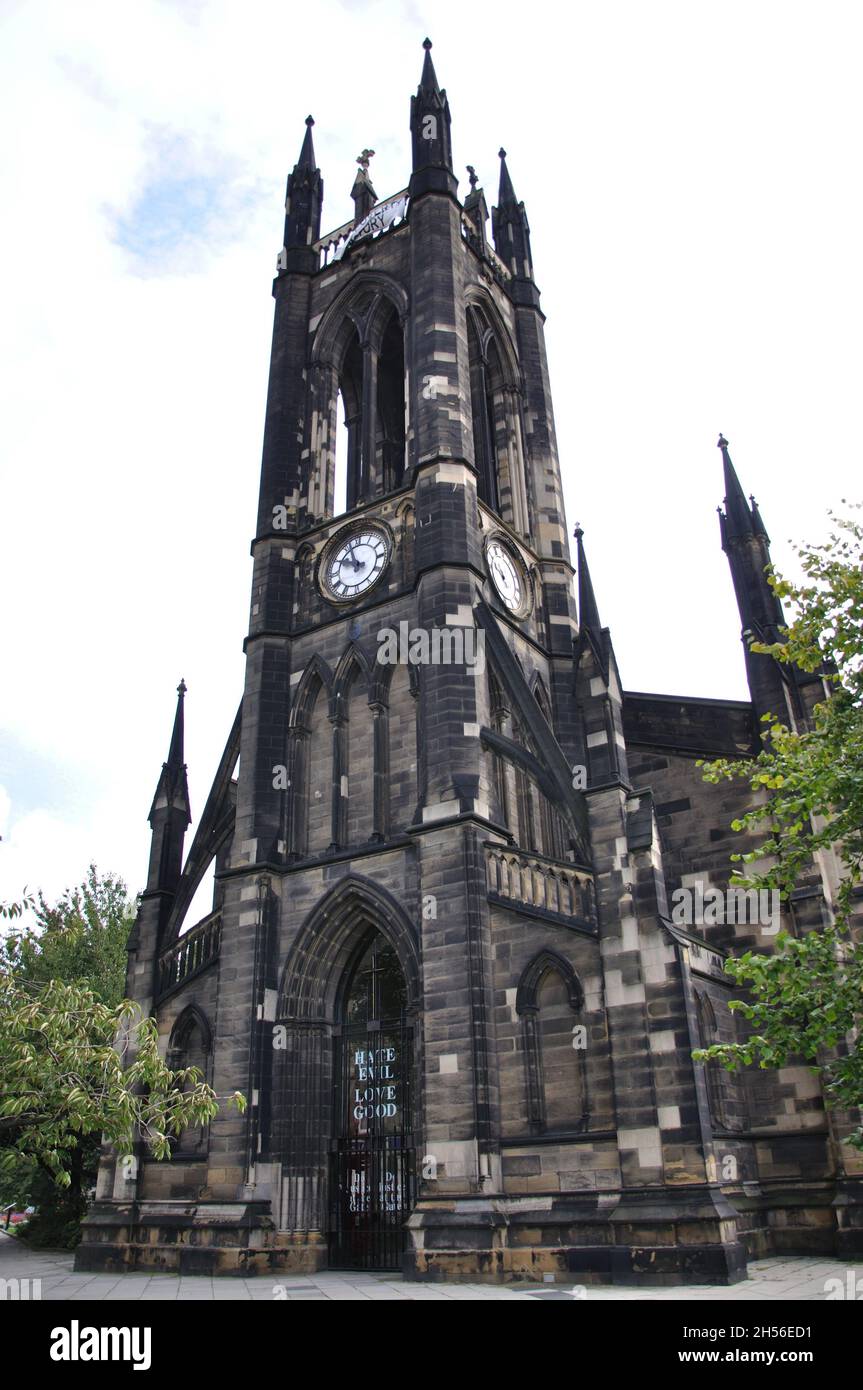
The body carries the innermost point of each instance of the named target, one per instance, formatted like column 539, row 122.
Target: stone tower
column 440, row 962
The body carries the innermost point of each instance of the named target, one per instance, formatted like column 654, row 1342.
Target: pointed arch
column 706, row 1018
column 401, row 782
column 191, row 1045
column 721, row 1087
column 532, row 977
column 405, row 539
column 498, row 704
column 365, row 303
column 326, row 941
column 552, row 835
column 482, row 414
column 358, row 356
column 542, row 697
column 391, row 423
column 548, row 997
column 304, row 588
column 496, row 411
column 500, row 720
column 352, row 662
column 314, row 981
column 190, row 1022
column 310, row 762
column 381, row 678
column 489, row 325
column 529, row 806
column 356, row 749
column 316, row 674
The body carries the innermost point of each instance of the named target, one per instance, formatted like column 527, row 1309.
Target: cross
column 472, row 175
column 363, row 160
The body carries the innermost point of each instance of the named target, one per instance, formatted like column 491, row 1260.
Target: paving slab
column 797, row 1278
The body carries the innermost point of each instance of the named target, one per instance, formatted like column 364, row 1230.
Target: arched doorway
column 372, row 1164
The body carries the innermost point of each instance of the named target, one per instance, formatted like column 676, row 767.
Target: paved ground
column 786, row 1277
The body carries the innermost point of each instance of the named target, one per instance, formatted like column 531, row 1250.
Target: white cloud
column 42, row 850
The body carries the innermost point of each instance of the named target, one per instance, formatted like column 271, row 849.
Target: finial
column 427, row 43
column 722, row 442
column 472, row 175
column 363, row 160
column 181, row 688
column 501, row 154
column 310, row 120
column 578, row 533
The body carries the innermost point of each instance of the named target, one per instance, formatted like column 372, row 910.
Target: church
column 442, row 962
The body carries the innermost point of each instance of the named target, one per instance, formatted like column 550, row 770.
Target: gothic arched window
column 526, row 797
column 191, row 1046
column 369, row 447
column 562, row 1062
column 496, row 411
column 316, row 834
column 403, row 758
column 377, row 993
column 550, row 1002
column 355, row 782
column 354, row 485
column 390, row 431
column 483, row 412
column 718, row 1080
column 499, row 720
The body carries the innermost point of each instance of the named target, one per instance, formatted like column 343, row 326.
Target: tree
column 76, row 1059
column 82, row 937
column 806, row 998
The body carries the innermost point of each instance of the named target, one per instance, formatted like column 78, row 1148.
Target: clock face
column 355, row 564
column 505, row 576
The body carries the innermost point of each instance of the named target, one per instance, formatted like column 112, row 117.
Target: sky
column 691, row 173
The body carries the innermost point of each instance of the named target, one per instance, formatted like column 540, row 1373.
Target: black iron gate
column 372, row 1165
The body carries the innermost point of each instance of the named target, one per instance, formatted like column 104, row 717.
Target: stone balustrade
column 190, row 954
column 546, row 885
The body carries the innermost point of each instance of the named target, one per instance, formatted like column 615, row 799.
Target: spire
column 303, row 205
column 430, row 135
column 588, row 611
column 175, row 752
column 307, row 153
column 428, row 81
column 169, row 817
column 747, row 545
column 736, row 523
column 172, row 789
column 512, row 236
column 506, row 193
